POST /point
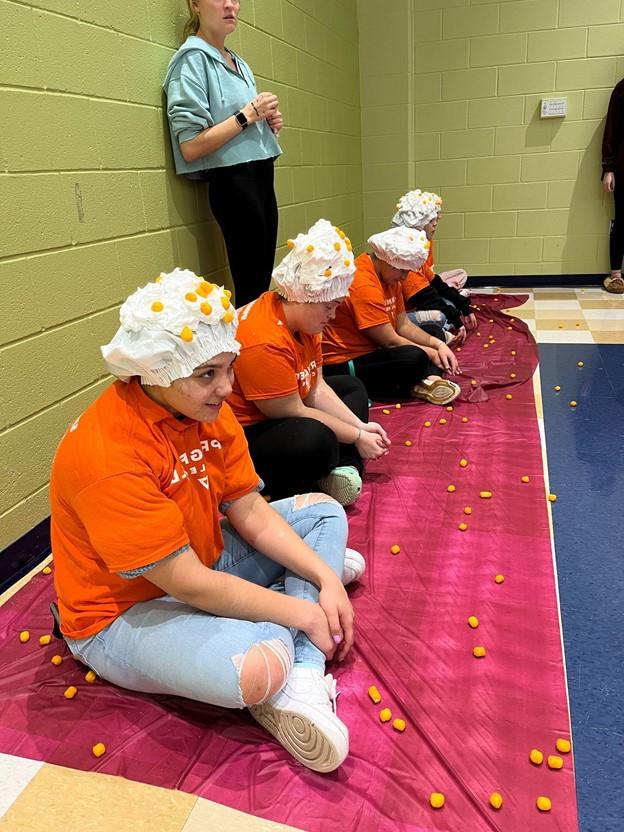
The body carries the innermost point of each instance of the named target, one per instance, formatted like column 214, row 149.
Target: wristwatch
column 241, row 118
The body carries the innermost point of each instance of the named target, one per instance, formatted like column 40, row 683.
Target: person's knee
column 263, row 671
column 305, row 500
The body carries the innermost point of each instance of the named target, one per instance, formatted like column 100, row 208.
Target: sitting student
column 154, row 592
column 428, row 296
column 303, row 432
column 371, row 336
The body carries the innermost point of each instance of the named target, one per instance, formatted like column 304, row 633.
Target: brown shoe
column 441, row 391
column 614, row 284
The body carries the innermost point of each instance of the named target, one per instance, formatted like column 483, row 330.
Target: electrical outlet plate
column 554, row 108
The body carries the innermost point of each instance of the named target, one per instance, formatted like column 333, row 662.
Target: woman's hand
column 335, row 603
column 459, row 337
column 470, row 321
column 317, row 630
column 262, row 107
column 370, row 445
column 375, row 427
column 608, row 182
column 275, row 122
column 447, row 360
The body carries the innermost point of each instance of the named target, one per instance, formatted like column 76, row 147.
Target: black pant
column 616, row 236
column 242, row 199
column 291, row 455
column 390, row 373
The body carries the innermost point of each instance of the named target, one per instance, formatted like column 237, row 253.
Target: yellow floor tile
column 562, row 324
column 608, row 324
column 77, row 801
column 603, row 337
column 543, row 294
column 212, row 816
column 601, row 303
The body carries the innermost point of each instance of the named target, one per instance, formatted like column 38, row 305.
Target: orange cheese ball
column 474, row 382
column 536, row 757
column 408, row 443
column 451, row 489
column 486, row 346
column 543, row 803
column 398, row 405
column 90, row 676
column 399, row 725
column 450, row 408
column 70, row 692
column 499, row 579
column 509, row 396
column 557, row 388
column 386, row 411
column 462, row 527
column 464, row 419
column 385, row 715
column 478, row 334
column 473, row 622
column 491, row 320
column 554, row 762
column 467, row 510
column 437, row 800
column 496, row 798
column 98, row 749
column 580, row 364
column 563, row 746
column 525, row 478
column 552, row 498
column 442, row 421
column 512, row 375
column 513, row 352
column 45, row 640
column 572, row 403
column 374, row 694
column 463, row 463
column 493, row 341
column 47, row 570
column 395, row 549
column 478, row 652
column 56, row 660
column 485, row 495
column 24, row 636
column 427, row 424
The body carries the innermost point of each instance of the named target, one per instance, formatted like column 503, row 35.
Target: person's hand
column 275, row 122
column 470, row 321
column 375, row 427
column 370, row 445
column 608, row 182
column 459, row 337
column 335, row 603
column 317, row 630
column 262, row 107
column 433, row 356
column 448, row 361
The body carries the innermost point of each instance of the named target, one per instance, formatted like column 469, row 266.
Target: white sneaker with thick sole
column 354, row 566
column 302, row 718
column 344, row 484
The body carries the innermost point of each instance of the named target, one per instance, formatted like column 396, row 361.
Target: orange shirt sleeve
column 265, row 371
column 369, row 305
column 129, row 521
column 241, row 477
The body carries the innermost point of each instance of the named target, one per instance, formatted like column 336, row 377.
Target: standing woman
column 612, row 171
column 224, row 132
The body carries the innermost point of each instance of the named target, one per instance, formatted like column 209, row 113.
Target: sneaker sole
column 437, row 393
column 299, row 736
column 342, row 490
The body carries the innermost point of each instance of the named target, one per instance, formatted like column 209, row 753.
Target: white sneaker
column 302, row 718
column 354, row 566
column 344, row 484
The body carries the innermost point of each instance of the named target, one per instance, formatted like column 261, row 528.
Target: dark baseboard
column 23, row 555
column 536, row 280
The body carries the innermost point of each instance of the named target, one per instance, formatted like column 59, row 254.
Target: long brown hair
column 192, row 24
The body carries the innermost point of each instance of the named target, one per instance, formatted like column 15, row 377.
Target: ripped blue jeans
column 167, row 647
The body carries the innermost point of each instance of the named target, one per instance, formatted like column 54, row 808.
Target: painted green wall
column 450, row 102
column 91, row 208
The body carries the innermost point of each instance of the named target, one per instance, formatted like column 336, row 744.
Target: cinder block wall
column 451, row 91
column 91, row 208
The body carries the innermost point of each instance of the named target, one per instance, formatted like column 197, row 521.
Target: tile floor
column 37, row 797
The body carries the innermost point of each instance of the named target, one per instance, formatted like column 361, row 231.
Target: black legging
column 616, row 236
column 242, row 199
column 291, row 455
column 392, row 373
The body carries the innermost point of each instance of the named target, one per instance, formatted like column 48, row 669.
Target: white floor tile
column 562, row 336
column 15, row 774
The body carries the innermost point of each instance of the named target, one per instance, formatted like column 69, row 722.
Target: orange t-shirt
column 416, row 281
column 272, row 361
column 371, row 302
column 130, row 485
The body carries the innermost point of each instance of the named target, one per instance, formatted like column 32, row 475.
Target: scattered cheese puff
column 496, row 798
column 486, row 346
column 70, row 692
column 499, row 579
column 478, row 334
column 90, row 676
column 536, row 757
column 467, row 510
column 478, row 652
column 464, row 419
column 462, row 527
column 572, row 403
column 510, row 328
column 557, row 388
column 474, row 382
column 47, row 570
column 580, row 364
column 450, row 408
column 451, row 489
column 399, row 725
column 385, row 715
column 458, row 349
column 24, row 636
column 408, row 443
column 398, row 405
column 493, row 341
column 491, row 320
column 509, row 396
column 436, row 799
column 552, row 498
column 554, row 762
column 543, row 803
column 563, row 746
column 442, row 421
column 45, row 640
column 513, row 352
column 512, row 375
column 463, row 463
column 374, row 694
column 395, row 549
column 98, row 749
column 386, row 411
column 485, row 495
column 525, row 478
column 427, row 424
column 56, row 660
column 473, row 622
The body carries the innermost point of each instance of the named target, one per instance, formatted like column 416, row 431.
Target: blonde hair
column 192, row 24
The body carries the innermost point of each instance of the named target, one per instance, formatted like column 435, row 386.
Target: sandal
column 440, row 391
column 614, row 284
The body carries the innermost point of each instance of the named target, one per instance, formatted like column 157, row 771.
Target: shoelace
column 332, row 692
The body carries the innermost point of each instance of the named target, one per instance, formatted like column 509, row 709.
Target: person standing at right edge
column 223, row 131
column 612, row 179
